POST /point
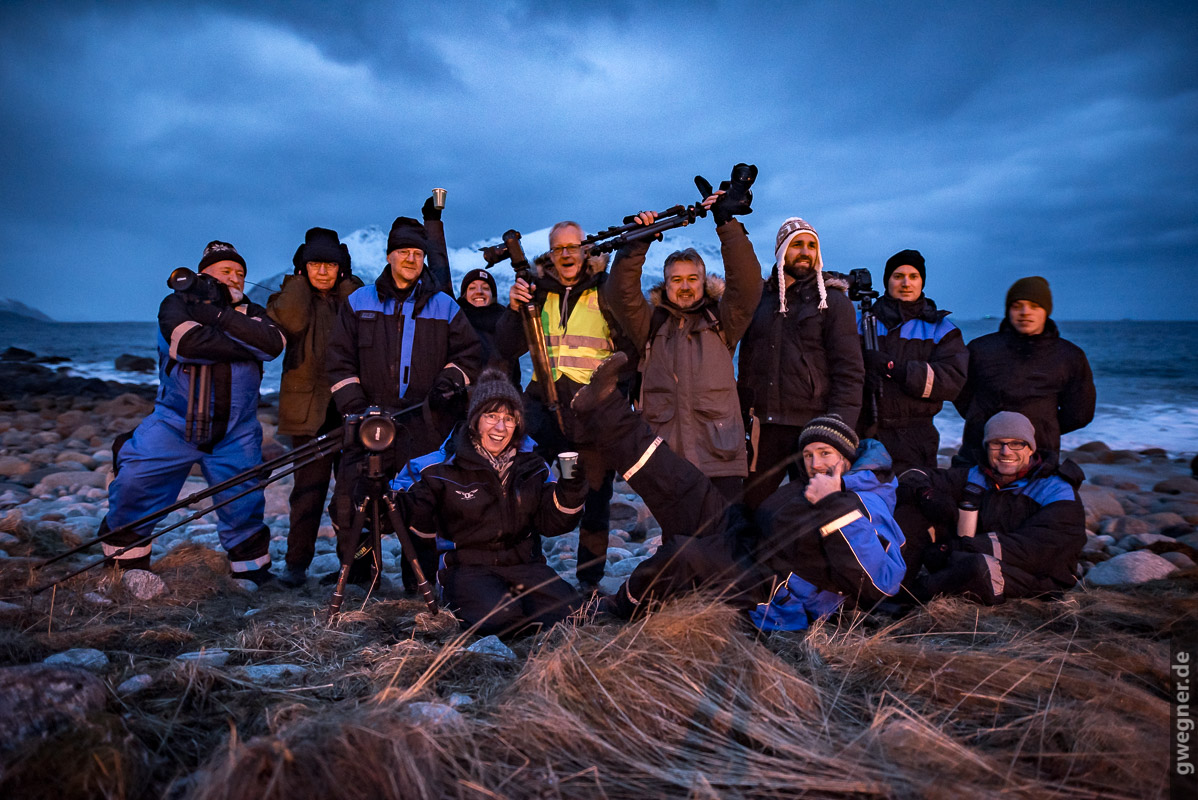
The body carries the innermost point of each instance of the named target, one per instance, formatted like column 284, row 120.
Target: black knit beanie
column 830, row 430
column 478, row 275
column 1034, row 289
column 406, row 232
column 912, row 258
column 216, row 251
column 324, row 246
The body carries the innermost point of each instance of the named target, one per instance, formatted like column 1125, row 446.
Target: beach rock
column 432, row 714
column 208, row 657
column 11, row 466
column 1189, row 539
column 82, row 657
column 616, row 553
column 1081, row 457
column 1094, row 447
column 38, row 699
column 1136, row 567
column 85, row 460
column 491, row 646
column 1155, row 452
column 1165, row 519
column 1141, row 540
column 1124, row 526
column 9, row 609
column 610, row 584
column 143, row 584
column 137, row 683
column 1179, row 560
column 624, row 568
column 130, row 363
column 69, row 479
column 1099, row 504
column 324, row 564
column 1098, row 543
column 17, row 354
column 245, row 584
column 1120, row 457
column 1179, row 484
column 95, row 598
column 459, row 699
column 271, row 674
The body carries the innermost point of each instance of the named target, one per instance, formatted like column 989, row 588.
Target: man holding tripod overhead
column 399, row 343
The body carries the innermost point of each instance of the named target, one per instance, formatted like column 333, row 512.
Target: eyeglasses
column 494, row 418
column 1014, row 447
column 572, row 249
column 317, row 266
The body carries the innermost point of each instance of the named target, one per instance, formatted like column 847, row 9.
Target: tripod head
column 510, row 249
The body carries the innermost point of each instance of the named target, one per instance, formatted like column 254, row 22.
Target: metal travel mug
column 566, row 463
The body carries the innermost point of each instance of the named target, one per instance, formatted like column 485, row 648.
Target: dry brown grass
column 1026, row 700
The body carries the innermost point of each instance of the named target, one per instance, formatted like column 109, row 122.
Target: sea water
column 1146, row 372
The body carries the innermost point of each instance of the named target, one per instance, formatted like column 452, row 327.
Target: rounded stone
column 83, row 657
column 1139, row 566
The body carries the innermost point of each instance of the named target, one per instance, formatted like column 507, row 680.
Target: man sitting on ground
column 1011, row 527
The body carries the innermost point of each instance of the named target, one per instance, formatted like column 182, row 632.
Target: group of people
column 650, row 388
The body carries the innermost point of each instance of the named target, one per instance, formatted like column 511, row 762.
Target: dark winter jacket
column 804, row 363
column 377, row 326
column 930, row 361
column 1044, row 377
column 455, row 495
column 307, row 318
column 845, row 547
column 235, row 347
column 484, row 319
column 688, row 383
column 1033, row 528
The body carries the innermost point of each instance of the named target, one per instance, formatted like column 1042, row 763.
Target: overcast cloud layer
column 1002, row 142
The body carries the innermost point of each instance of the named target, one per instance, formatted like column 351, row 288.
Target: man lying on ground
column 813, row 545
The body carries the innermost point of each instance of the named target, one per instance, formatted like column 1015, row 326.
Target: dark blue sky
column 1051, row 139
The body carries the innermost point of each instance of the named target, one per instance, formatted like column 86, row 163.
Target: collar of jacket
column 894, row 313
column 1050, row 331
column 422, row 290
column 713, row 290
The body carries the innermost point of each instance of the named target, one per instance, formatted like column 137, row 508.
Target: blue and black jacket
column 235, row 346
column 389, row 347
column 845, row 547
column 930, row 361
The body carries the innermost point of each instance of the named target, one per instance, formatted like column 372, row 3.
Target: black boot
column 126, row 564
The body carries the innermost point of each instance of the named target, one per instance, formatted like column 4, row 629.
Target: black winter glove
column 206, row 313
column 429, row 210
column 443, row 394
column 879, row 364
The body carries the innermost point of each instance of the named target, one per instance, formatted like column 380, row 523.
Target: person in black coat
column 486, row 498
column 1026, row 367
column 799, row 359
column 920, row 362
column 477, row 298
column 1011, row 527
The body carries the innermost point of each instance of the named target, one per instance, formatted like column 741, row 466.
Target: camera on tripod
column 374, row 429
column 861, row 285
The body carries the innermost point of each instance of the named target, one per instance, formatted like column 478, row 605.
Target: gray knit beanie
column 1009, row 425
column 493, row 384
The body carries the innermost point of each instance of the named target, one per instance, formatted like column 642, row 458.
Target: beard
column 799, row 269
column 236, row 295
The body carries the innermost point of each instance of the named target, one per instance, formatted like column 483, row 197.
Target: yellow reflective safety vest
column 577, row 344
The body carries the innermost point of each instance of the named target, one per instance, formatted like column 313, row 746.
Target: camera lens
column 376, row 433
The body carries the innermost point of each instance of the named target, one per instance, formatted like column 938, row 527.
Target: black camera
column 199, row 287
column 861, row 285
column 373, row 429
column 510, row 248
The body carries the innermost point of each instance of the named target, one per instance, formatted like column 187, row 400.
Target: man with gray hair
column 1012, row 526
column 686, row 333
column 799, row 359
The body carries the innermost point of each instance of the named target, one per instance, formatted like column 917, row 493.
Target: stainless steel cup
column 438, row 198
column 566, row 463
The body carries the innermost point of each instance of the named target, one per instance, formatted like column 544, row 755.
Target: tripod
column 379, row 498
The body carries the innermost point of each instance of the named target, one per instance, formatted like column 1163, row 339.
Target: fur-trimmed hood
column 712, row 293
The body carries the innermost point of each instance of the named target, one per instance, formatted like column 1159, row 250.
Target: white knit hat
column 786, row 234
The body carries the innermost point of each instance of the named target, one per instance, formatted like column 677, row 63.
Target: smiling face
column 905, row 283
column 565, row 251
column 801, row 254
column 478, row 293
column 1009, row 457
column 823, row 459
column 684, row 283
column 231, row 274
column 1027, row 317
column 496, row 428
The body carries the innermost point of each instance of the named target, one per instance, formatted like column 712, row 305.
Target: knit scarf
column 502, row 463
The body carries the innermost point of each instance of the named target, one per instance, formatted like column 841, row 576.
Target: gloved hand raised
column 445, row 392
column 879, row 364
column 429, row 210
